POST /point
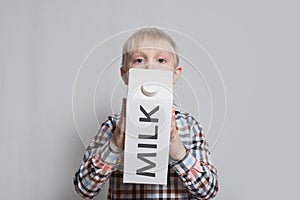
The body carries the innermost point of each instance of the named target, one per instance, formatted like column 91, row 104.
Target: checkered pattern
column 193, row 177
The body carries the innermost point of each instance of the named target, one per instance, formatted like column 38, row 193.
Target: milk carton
column 148, row 122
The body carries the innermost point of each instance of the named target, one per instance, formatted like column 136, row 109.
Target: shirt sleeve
column 99, row 162
column 196, row 169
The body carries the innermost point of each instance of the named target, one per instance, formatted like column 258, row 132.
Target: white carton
column 148, row 122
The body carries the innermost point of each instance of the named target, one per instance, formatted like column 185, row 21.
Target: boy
column 191, row 174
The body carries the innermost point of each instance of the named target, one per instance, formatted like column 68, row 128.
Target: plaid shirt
column 193, row 177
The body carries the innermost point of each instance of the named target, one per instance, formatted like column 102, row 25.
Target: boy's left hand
column 177, row 150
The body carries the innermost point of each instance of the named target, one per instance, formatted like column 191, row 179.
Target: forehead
column 150, row 51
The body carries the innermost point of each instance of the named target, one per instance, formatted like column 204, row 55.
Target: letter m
column 142, row 171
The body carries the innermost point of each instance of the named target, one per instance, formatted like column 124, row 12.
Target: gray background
column 254, row 43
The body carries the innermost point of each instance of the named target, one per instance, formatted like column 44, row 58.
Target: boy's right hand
column 118, row 137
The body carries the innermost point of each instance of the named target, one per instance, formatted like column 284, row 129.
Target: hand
column 118, row 137
column 177, row 149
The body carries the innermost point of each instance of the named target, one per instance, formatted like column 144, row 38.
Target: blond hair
column 149, row 38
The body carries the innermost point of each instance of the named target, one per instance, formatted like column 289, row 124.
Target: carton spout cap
column 149, row 90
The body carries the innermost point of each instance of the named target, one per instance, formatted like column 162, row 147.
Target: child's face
column 151, row 58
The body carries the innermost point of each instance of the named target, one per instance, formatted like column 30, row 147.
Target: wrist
column 177, row 149
column 115, row 143
column 180, row 155
column 114, row 147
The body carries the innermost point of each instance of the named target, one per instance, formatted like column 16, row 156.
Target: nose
column 150, row 65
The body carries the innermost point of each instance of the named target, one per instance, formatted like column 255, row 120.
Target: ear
column 124, row 74
column 177, row 73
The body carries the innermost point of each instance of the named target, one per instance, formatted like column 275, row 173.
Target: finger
column 121, row 123
column 123, row 111
column 173, row 125
column 174, row 135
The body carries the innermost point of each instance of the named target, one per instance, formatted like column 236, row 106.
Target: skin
column 150, row 58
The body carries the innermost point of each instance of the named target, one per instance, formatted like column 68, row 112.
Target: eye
column 162, row 60
column 139, row 60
